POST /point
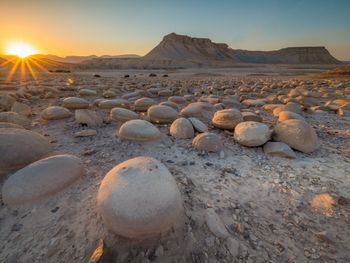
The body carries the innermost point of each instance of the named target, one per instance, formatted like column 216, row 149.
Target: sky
column 115, row 27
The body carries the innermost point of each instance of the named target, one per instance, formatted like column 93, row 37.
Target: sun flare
column 20, row 49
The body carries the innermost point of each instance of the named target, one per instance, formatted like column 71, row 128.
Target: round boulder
column 182, row 128
column 55, row 113
column 19, row 147
column 143, row 104
column 297, row 134
column 227, row 119
column 200, row 110
column 162, row 114
column 139, row 131
column 252, row 133
column 121, row 114
column 139, row 198
column 75, row 103
column 208, row 142
column 41, row 179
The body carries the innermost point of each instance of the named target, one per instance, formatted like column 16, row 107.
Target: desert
column 194, row 152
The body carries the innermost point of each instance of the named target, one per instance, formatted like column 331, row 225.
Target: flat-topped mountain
column 180, row 47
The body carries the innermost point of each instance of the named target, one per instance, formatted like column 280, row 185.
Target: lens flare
column 20, row 49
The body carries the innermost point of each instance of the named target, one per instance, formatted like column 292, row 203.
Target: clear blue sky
column 82, row 27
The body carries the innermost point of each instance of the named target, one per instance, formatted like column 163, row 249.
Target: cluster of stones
column 139, row 197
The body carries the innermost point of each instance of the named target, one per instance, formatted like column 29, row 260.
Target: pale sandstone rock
column 162, row 114
column 251, row 133
column 208, row 142
column 227, row 119
column 55, row 113
column 41, row 179
column 139, row 198
column 139, row 131
column 75, row 103
column 122, row 115
column 20, row 147
column 182, row 128
column 297, row 134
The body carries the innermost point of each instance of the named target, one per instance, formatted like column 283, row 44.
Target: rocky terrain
column 158, row 166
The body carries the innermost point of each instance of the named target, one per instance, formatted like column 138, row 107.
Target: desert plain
column 226, row 196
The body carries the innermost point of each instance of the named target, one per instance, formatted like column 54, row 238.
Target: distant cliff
column 182, row 48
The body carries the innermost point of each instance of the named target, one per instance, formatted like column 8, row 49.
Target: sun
column 20, row 49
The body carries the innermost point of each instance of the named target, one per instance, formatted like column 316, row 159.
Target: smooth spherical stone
column 55, row 113
column 139, row 131
column 252, row 133
column 10, row 125
column 116, row 103
column 288, row 115
column 88, row 117
column 182, row 128
column 162, row 114
column 20, row 147
column 198, row 125
column 139, row 198
column 121, row 114
column 279, row 149
column 297, row 134
column 177, row 99
column 227, row 119
column 15, row 118
column 75, row 103
column 208, row 142
column 200, row 110
column 170, row 104
column 143, row 104
column 87, row 92
column 41, row 179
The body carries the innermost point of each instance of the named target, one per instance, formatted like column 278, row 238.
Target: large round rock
column 182, row 128
column 252, row 133
column 41, row 179
column 162, row 114
column 208, row 142
column 227, row 119
column 55, row 113
column 139, row 198
column 297, row 134
column 121, row 114
column 19, row 147
column 75, row 103
column 139, row 131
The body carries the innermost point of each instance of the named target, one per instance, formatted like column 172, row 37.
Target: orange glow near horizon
column 20, row 49
column 21, row 59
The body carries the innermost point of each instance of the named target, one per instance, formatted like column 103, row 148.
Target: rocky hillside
column 179, row 47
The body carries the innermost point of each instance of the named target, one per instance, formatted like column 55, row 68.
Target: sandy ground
column 279, row 210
